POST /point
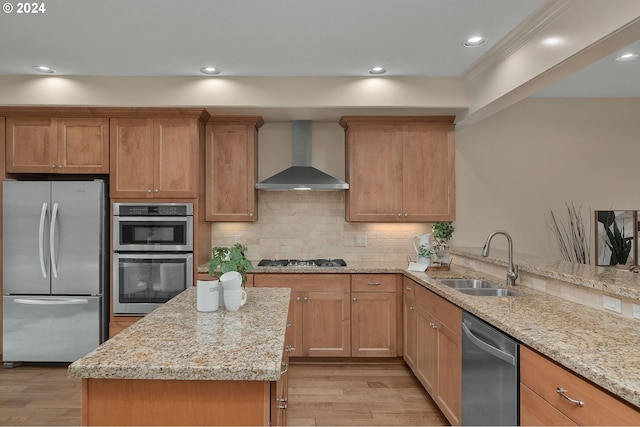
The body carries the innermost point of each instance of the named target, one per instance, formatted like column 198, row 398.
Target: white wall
column 516, row 166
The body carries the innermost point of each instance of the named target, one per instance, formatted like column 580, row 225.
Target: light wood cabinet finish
column 322, row 303
column 118, row 324
column 232, row 168
column 373, row 315
column 400, row 169
column 409, row 323
column 175, row 402
column 438, row 355
column 535, row 411
column 543, row 377
column 57, row 145
column 154, row 157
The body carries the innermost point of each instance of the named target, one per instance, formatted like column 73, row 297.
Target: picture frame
column 627, row 223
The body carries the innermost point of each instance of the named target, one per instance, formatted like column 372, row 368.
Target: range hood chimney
column 301, row 176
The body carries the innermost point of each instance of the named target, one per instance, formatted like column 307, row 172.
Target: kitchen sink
column 479, row 287
column 490, row 292
column 468, row 283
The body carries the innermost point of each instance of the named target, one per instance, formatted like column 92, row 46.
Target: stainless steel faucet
column 512, row 269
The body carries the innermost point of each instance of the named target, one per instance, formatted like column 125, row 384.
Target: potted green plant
column 425, row 252
column 224, row 259
column 441, row 233
column 620, row 246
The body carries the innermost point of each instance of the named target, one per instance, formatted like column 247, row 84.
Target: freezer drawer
column 50, row 329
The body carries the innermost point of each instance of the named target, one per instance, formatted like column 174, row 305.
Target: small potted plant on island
column 425, row 252
column 441, row 233
column 225, row 259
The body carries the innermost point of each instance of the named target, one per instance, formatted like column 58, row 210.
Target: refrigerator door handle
column 43, row 214
column 52, row 235
column 51, row 301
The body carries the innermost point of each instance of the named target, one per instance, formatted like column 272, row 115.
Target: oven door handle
column 487, row 347
column 153, row 218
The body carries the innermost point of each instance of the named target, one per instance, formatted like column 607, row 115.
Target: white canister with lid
column 208, row 296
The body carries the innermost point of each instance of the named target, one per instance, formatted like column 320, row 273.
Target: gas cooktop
column 302, row 263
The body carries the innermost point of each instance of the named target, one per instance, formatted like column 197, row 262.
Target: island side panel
column 174, row 402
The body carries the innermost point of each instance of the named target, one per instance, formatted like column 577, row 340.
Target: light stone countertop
column 176, row 342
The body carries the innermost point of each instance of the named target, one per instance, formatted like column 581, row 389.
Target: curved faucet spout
column 512, row 269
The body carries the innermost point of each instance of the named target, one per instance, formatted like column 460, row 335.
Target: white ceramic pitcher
column 421, row 240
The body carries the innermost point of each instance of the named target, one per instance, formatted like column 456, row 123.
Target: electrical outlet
column 238, row 238
column 361, row 240
column 612, row 304
column 636, row 311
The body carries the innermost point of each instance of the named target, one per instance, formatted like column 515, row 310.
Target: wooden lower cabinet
column 409, row 322
column 540, row 379
column 437, row 358
column 321, row 319
column 373, row 315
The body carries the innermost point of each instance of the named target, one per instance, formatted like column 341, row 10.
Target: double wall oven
column 152, row 255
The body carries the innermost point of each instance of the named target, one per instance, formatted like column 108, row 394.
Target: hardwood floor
column 341, row 394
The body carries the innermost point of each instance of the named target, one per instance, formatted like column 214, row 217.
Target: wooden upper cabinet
column 400, row 169
column 232, row 168
column 154, row 157
column 57, row 145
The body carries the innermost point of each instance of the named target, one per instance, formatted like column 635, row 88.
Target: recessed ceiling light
column 552, row 41
column 377, row 70
column 43, row 69
column 474, row 41
column 210, row 70
column 627, row 57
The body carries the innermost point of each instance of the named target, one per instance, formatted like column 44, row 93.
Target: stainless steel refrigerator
column 55, row 275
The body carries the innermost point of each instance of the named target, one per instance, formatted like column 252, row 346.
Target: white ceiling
column 279, row 38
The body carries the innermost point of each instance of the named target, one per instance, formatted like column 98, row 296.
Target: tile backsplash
column 304, row 225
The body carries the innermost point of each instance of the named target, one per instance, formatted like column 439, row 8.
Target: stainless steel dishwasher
column 490, row 369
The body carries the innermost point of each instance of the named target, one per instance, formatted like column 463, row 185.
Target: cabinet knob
column 355, row 299
column 289, row 324
column 400, row 215
column 250, row 215
column 59, row 166
column 149, row 190
column 406, row 215
column 412, row 308
column 53, row 166
column 306, row 299
column 433, row 325
column 155, row 191
column 289, row 349
column 298, row 299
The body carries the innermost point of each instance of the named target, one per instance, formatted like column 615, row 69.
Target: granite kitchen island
column 178, row 366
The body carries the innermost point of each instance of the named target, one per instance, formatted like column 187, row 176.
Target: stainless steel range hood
column 301, row 176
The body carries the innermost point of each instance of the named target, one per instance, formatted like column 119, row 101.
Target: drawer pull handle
column 374, row 283
column 409, row 288
column 562, row 392
column 286, row 368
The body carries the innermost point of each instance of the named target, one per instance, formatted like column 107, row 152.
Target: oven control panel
column 160, row 209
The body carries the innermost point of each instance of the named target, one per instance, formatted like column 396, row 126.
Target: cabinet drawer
column 373, row 282
column 544, row 377
column 303, row 281
column 409, row 287
column 535, row 411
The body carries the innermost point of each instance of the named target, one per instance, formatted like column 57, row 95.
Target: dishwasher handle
column 509, row 358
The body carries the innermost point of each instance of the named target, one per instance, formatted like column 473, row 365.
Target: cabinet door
column 426, row 350
column 374, row 173
column 131, row 166
column 294, row 332
column 449, row 369
column 327, row 324
column 373, row 324
column 231, row 173
column 31, row 145
column 175, row 154
column 428, row 173
column 409, row 331
column 83, row 145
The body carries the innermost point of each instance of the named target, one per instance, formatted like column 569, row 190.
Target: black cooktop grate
column 321, row 262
